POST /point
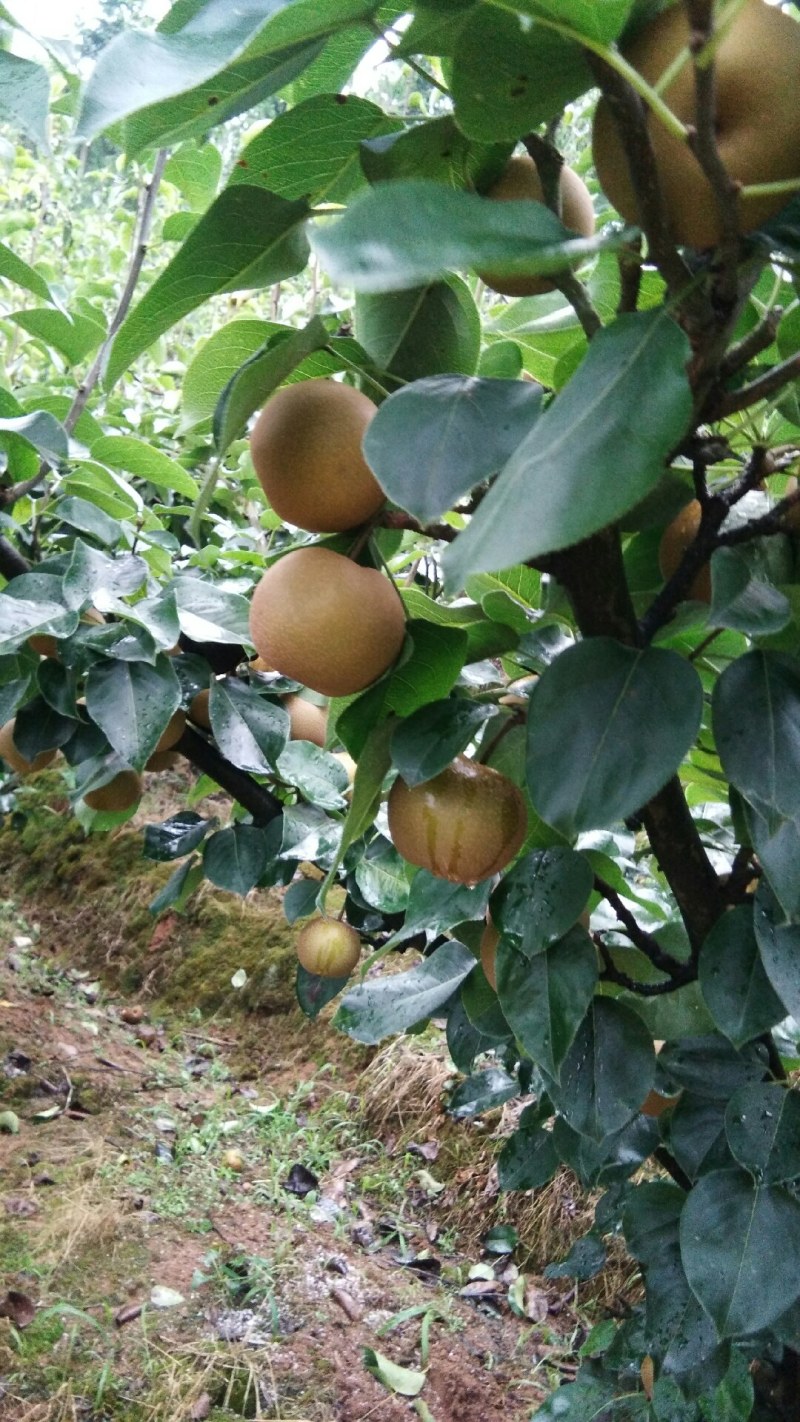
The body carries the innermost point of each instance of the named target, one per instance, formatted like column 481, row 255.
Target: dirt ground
column 231, row 1214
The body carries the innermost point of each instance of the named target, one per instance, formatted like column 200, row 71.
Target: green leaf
column 743, row 601
column 510, row 76
column 434, row 906
column 209, row 371
column 195, row 169
column 542, row 500
column 711, row 1066
column 762, row 1125
column 249, row 387
column 529, row 1158
column 432, row 330
column 545, row 998
column 436, row 149
column 608, row 1071
column 733, row 981
column 400, row 235
column 316, row 774
column 312, row 150
column 734, row 1236
column 584, row 1261
column 143, row 460
column 42, row 432
column 541, row 898
column 629, row 717
column 582, row 1401
column 603, row 21
column 85, row 516
column 13, row 268
column 217, row 64
column 426, row 741
column 373, row 763
column 176, row 836
column 211, row 614
column 483, row 1092
column 776, row 841
column 249, row 730
column 382, row 877
column 779, row 946
column 235, row 858
column 74, row 337
column 406, row 1382
column 756, row 711
column 435, row 663
column 24, row 96
column 694, row 1133
column 391, row 1004
column 247, row 239
column 432, row 441
column 94, row 577
column 132, row 703
column 314, row 993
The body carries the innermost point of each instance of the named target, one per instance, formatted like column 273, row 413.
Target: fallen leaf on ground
column 18, row 1308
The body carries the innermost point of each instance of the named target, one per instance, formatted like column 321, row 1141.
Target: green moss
column 185, row 961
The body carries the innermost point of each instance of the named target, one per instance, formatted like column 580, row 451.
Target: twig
column 19, row 491
column 761, row 389
column 629, row 261
column 612, row 974
column 640, row 938
column 397, row 519
column 578, row 297
column 629, row 114
column 703, row 142
column 751, row 345
column 261, row 803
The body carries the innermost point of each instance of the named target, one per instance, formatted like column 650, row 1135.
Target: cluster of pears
column 317, row 616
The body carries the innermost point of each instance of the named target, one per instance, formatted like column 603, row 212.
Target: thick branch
column 255, row 798
column 612, row 974
column 763, row 388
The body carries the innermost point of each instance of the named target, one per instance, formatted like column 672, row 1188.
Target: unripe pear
column 756, row 119
column 306, row 450
column 120, row 793
column 465, row 824
column 322, row 620
column 307, row 721
column 15, row 758
column 172, row 732
column 328, row 947
column 520, row 180
column 198, row 710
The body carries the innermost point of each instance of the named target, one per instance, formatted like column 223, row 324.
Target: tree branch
column 763, row 388
column 260, row 802
column 12, row 563
column 703, row 142
column 639, row 937
column 612, row 974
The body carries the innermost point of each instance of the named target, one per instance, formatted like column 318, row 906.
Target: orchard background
column 208, row 213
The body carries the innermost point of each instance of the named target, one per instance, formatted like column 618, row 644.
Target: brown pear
column 520, row 180
column 465, row 824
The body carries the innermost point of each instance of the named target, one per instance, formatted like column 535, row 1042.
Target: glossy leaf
column 528, row 1160
column 173, row 838
column 734, row 1235
column 400, row 235
column 426, row 741
column 132, row 703
column 211, row 614
column 316, row 774
column 437, row 656
column 13, row 268
column 433, row 149
column 608, row 1071
column 435, row 905
column 733, row 981
column 249, row 730
column 432, row 441
column 235, row 858
column 541, row 898
column 639, row 359
column 74, row 337
column 779, row 946
column 483, row 1092
column 382, row 877
column 545, row 998
column 756, row 709
column 712, row 1067
column 314, row 993
column 776, row 840
column 247, row 239
column 762, row 1125
column 629, row 717
column 378, row 1008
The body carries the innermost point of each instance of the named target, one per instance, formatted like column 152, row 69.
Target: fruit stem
column 204, row 499
column 612, row 57
column 351, row 365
